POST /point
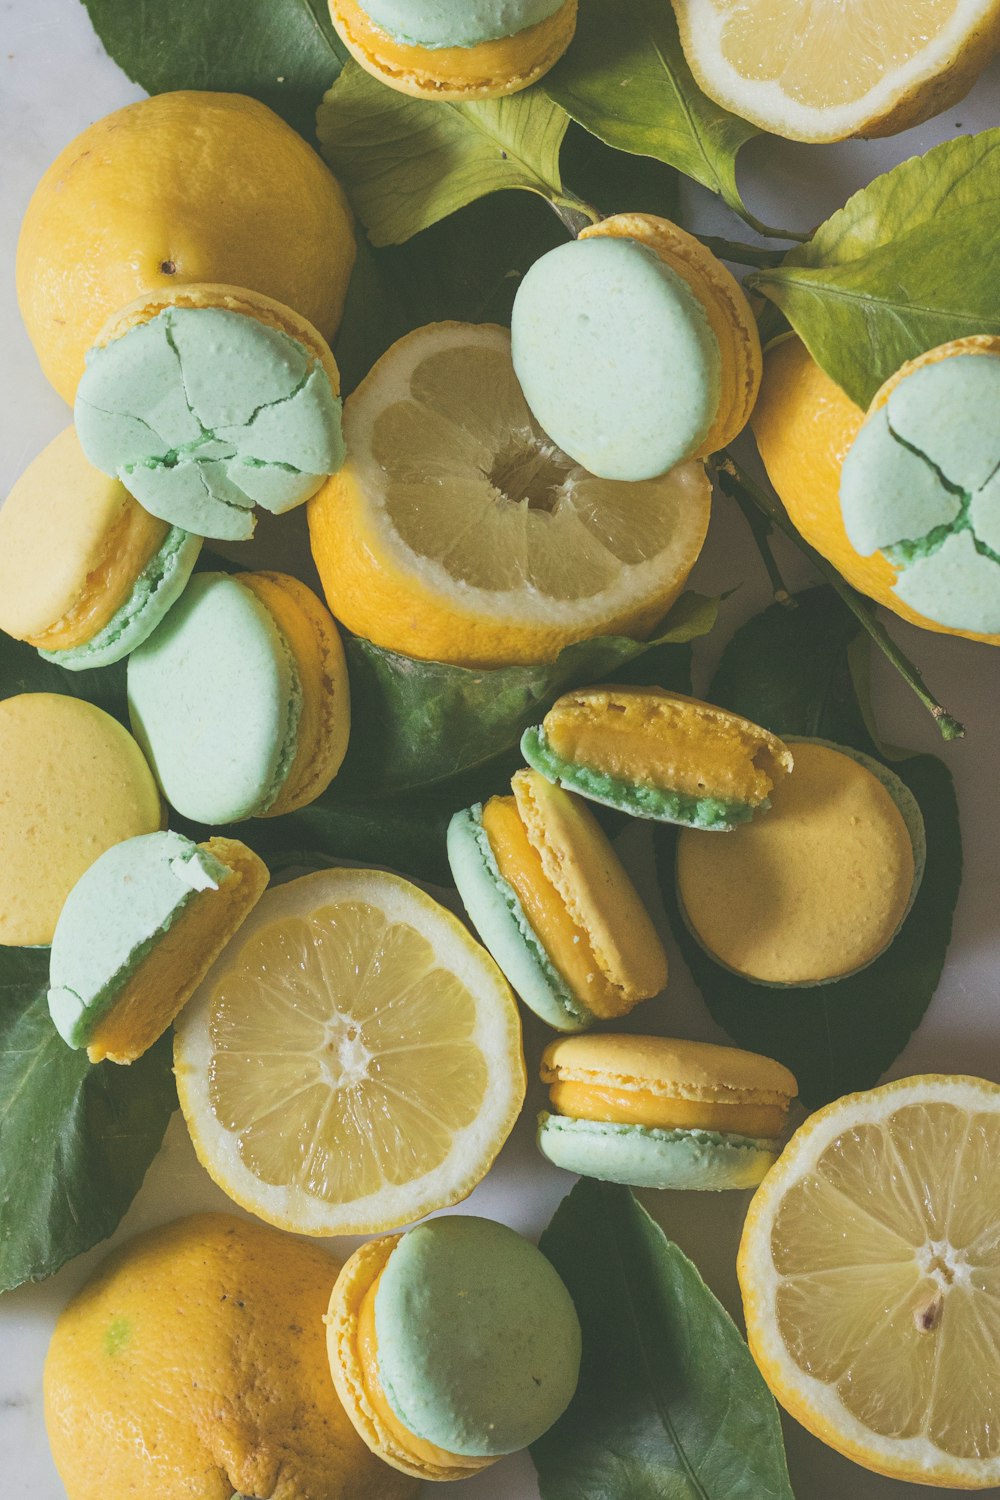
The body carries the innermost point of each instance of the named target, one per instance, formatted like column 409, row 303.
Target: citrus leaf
column 670, row 1405
column 406, row 163
column 791, row 671
column 625, row 79
column 75, row 1138
column 911, row 261
column 283, row 52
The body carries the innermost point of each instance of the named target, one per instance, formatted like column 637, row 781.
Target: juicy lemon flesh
column 473, row 483
column 343, row 1054
column 825, row 53
column 888, row 1262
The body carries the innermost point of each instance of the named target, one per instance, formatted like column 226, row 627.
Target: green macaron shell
column 215, row 701
column 921, row 483
column 643, row 1156
column 159, row 585
column 478, row 1339
column 500, row 919
column 113, row 917
column 909, row 809
column 635, row 798
column 456, row 23
column 616, row 357
column 204, row 412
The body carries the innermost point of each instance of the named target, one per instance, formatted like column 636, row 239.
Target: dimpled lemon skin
column 194, row 1365
column 804, row 425
column 183, row 187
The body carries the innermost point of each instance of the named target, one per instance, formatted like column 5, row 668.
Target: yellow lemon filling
column 133, row 540
column 588, row 1101
column 566, row 945
column 508, row 57
column 416, row 1449
column 666, row 740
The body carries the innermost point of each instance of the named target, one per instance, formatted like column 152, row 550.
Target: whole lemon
column 178, row 188
column 194, row 1364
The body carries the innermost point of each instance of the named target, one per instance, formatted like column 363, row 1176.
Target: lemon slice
column 457, row 531
column 353, row 1061
column 822, row 70
column 870, row 1271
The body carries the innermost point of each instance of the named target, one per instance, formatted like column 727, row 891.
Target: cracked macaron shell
column 921, row 484
column 484, row 69
column 659, row 755
column 209, row 401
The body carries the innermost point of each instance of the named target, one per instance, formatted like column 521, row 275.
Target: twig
column 744, row 255
column 573, row 211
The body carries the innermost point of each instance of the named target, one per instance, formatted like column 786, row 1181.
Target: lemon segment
column 870, row 1271
column 354, row 1060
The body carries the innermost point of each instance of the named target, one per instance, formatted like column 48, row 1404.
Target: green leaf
column 22, row 670
column 911, row 261
column 670, row 1404
column 790, row 670
column 625, row 78
column 75, row 1139
column 406, row 163
column 283, row 52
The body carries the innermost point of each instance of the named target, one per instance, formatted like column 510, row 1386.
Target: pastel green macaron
column 660, row 1113
column 452, row 1345
column 137, row 934
column 211, row 403
column 456, row 23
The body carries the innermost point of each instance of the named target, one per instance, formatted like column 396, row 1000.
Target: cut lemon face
column 814, row 70
column 353, row 1061
column 457, row 531
column 870, row 1272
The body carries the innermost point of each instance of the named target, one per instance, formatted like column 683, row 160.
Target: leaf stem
column 769, row 233
column 576, row 214
column 744, row 255
column 761, row 529
column 737, row 484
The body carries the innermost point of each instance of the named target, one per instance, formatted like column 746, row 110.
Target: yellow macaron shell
column 729, row 314
column 483, row 71
column 656, row 738
column 815, row 890
column 73, row 782
column 668, row 1085
column 325, row 720
column 353, row 1351
column 72, row 544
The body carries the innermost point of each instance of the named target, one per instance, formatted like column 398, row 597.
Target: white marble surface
column 54, row 80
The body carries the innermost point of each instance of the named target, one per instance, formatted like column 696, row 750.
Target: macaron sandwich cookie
column 73, row 782
column 138, row 933
column 655, row 754
column 455, row 49
column 85, row 572
column 635, row 348
column 819, row 888
column 921, row 484
column 241, row 699
column 554, row 905
column 208, row 400
column 452, row 1345
column 657, row 1113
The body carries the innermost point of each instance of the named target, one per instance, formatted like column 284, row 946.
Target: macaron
column 455, row 49
column 921, row 484
column 635, row 348
column 655, row 754
column 208, row 400
column 73, row 782
column 85, row 572
column 819, row 888
column 138, row 933
column 554, row 905
column 653, row 1112
column 452, row 1345
column 240, row 698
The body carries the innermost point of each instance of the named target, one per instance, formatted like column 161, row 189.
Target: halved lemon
column 457, row 531
column 870, row 1272
column 822, row 70
column 353, row 1061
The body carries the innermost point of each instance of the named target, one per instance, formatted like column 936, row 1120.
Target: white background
column 54, row 80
